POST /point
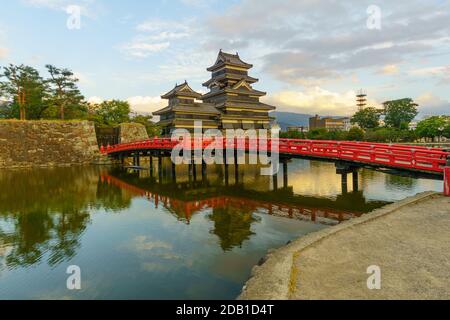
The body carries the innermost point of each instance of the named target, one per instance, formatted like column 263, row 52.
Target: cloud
column 199, row 3
column 143, row 243
column 142, row 48
column 314, row 100
column 440, row 73
column 310, row 47
column 141, row 104
column 313, row 41
column 389, row 69
column 4, row 52
column 95, row 100
column 154, row 36
column 84, row 78
column 138, row 104
column 159, row 25
column 86, row 6
column 429, row 104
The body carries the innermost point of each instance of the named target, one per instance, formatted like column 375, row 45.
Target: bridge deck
column 405, row 157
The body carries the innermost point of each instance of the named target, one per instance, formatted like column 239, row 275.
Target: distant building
column 347, row 124
column 231, row 102
column 330, row 123
column 413, row 125
column 302, row 129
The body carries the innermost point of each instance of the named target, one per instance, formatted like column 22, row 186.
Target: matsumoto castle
column 231, row 102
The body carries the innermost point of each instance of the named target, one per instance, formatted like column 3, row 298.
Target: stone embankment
column 407, row 241
column 47, row 143
column 132, row 132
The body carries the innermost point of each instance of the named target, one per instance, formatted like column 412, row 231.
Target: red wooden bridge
column 394, row 156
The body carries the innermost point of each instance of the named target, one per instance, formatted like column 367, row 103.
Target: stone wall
column 47, row 143
column 132, row 132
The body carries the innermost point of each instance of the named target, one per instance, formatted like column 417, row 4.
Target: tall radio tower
column 361, row 99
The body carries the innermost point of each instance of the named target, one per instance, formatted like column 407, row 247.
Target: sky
column 311, row 56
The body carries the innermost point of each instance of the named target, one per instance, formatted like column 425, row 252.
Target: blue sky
column 310, row 56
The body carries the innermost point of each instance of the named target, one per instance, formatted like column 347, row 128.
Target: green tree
column 355, row 134
column 400, row 113
column 292, row 134
column 433, row 126
column 386, row 134
column 112, row 112
column 63, row 90
column 446, row 132
column 27, row 90
column 367, row 118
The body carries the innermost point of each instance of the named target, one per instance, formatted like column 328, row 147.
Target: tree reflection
column 43, row 213
column 32, row 232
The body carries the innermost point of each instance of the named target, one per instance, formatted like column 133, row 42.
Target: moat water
column 142, row 235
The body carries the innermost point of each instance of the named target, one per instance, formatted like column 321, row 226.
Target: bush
column 292, row 135
column 355, row 134
column 389, row 135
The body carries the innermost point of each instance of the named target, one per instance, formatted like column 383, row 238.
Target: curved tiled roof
column 229, row 59
column 182, row 89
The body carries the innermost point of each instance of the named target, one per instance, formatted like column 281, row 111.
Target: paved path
column 409, row 241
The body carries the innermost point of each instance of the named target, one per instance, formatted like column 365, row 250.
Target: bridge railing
column 392, row 155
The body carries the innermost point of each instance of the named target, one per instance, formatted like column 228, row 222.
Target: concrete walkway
column 408, row 240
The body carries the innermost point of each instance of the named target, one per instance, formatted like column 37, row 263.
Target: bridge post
column 355, row 180
column 285, row 173
column 275, row 182
column 236, row 165
column 160, row 173
column 447, row 178
column 174, row 172
column 151, row 163
column 225, row 165
column 344, row 183
column 203, row 168
column 194, row 167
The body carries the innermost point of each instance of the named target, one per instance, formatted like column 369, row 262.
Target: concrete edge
column 275, row 278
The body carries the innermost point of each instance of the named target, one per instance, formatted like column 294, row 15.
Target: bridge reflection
column 249, row 193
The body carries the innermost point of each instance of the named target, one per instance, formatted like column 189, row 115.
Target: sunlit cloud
column 440, row 73
column 314, row 100
column 430, row 104
column 390, row 69
column 141, row 48
column 4, row 52
column 146, row 105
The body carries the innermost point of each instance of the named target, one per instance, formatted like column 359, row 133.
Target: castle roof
column 182, row 90
column 228, row 59
column 195, row 108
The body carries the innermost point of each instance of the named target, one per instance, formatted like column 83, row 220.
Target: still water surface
column 137, row 235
